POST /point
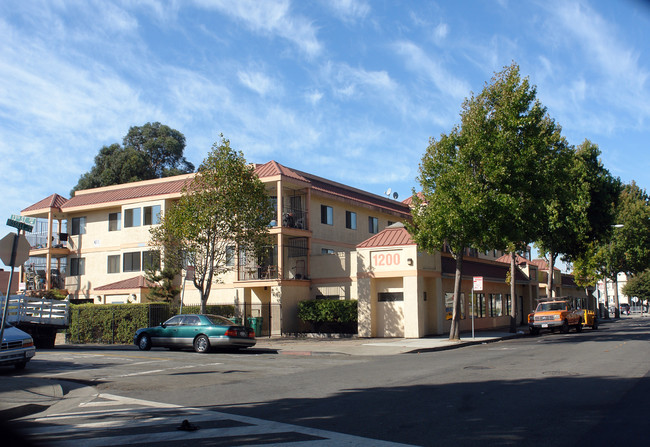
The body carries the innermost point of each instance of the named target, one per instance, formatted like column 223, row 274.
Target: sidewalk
column 21, row 395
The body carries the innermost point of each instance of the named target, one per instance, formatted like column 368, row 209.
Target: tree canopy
column 224, row 208
column 150, row 151
column 485, row 184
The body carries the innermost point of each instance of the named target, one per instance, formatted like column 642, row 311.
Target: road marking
column 175, row 368
column 160, row 425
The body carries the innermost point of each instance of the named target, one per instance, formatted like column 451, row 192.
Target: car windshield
column 544, row 307
column 219, row 320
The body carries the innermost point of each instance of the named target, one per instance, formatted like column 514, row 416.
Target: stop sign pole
column 19, row 250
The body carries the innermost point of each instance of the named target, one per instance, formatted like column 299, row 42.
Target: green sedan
column 201, row 332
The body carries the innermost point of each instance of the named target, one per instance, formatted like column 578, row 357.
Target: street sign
column 22, row 249
column 478, row 283
column 22, row 222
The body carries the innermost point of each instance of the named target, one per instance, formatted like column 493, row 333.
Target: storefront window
column 449, row 305
column 496, row 305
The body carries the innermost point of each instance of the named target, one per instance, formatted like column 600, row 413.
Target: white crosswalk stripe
column 111, row 420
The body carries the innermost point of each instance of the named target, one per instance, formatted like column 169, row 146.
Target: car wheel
column 201, row 344
column 565, row 327
column 144, row 343
column 595, row 325
column 20, row 366
column 534, row 331
column 579, row 326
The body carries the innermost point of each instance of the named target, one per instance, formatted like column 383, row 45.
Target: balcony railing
column 258, row 272
column 294, row 218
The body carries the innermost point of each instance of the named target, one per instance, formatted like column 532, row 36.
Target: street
column 553, row 389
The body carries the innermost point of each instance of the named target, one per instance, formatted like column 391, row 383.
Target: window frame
column 350, row 220
column 131, row 256
column 115, row 221
column 151, row 215
column 113, row 261
column 130, row 215
column 326, row 215
column 373, row 225
column 78, row 226
column 77, row 266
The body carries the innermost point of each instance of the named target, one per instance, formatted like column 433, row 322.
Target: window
column 114, row 221
column 508, row 304
column 77, row 266
column 351, row 220
column 449, row 305
column 479, row 305
column 373, row 225
column 131, row 262
column 78, row 225
column 151, row 215
column 496, row 305
column 326, row 215
column 132, row 217
column 390, row 296
column 151, row 260
column 326, row 251
column 230, row 255
column 114, row 264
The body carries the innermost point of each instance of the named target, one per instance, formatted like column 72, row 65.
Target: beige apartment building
column 329, row 241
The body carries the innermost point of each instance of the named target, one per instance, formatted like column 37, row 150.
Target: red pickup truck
column 555, row 315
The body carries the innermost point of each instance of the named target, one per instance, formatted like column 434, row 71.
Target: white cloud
column 314, row 97
column 256, row 81
column 271, row 17
column 420, row 62
column 349, row 10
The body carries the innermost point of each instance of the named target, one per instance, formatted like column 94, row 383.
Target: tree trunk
column 617, row 311
column 549, row 281
column 454, row 332
column 513, row 294
column 606, row 297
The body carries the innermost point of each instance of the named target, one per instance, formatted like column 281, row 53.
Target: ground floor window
column 496, row 305
column 390, row 296
column 449, row 305
column 479, row 305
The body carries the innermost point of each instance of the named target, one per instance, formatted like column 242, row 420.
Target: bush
column 112, row 323
column 225, row 310
column 330, row 315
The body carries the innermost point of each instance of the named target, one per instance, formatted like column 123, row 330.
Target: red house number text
column 385, row 259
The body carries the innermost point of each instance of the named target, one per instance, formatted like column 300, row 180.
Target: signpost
column 477, row 285
column 14, row 249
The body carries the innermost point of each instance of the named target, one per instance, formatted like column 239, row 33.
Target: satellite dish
column 388, row 191
column 395, row 195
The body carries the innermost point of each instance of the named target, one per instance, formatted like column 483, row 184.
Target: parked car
column 624, row 308
column 197, row 331
column 17, row 347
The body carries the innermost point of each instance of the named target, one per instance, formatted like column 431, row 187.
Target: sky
column 349, row 90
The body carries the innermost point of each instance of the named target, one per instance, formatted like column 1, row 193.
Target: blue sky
column 350, row 90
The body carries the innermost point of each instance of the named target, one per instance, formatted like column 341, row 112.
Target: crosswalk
column 110, row 420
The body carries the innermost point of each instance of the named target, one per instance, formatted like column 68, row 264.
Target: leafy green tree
column 485, row 184
column 639, row 286
column 148, row 152
column 224, row 205
column 580, row 209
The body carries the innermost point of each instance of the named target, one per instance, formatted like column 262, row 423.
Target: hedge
column 330, row 315
column 113, row 323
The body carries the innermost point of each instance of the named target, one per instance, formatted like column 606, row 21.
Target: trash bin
column 235, row 320
column 255, row 323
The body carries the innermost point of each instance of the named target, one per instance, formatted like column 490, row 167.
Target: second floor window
column 113, row 264
column 131, row 262
column 351, row 220
column 132, row 217
column 151, row 215
column 77, row 266
column 114, row 221
column 78, row 225
column 230, row 255
column 326, row 215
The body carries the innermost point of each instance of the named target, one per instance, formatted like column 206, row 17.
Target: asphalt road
column 589, row 388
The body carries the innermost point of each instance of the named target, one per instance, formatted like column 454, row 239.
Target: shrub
column 225, row 310
column 330, row 315
column 112, row 323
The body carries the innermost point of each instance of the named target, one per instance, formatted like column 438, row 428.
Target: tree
column 485, row 184
column 224, row 206
column 148, row 152
column 639, row 286
column 580, row 209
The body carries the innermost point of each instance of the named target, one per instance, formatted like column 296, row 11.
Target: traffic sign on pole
column 22, row 249
column 478, row 283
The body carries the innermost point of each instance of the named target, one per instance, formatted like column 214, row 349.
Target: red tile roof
column 392, row 236
column 139, row 282
column 54, row 201
column 273, row 168
column 128, row 191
